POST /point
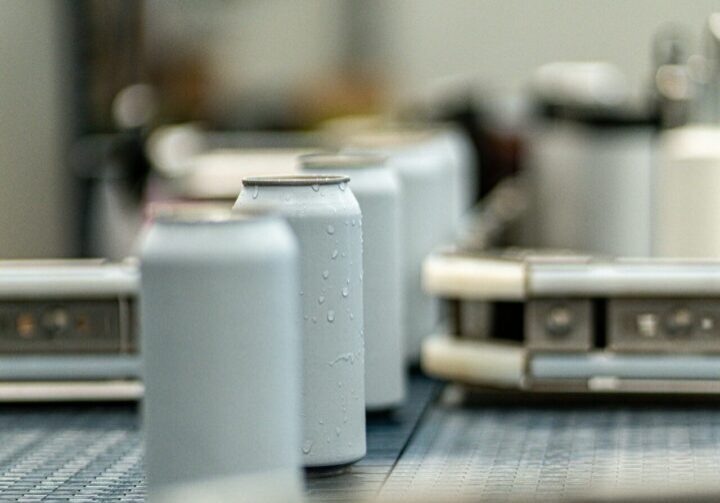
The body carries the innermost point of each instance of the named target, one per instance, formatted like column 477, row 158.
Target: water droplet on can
column 345, row 291
column 334, row 254
column 330, row 230
column 307, row 446
column 321, row 299
column 316, row 187
column 331, row 316
column 326, row 274
column 342, row 186
column 256, row 189
column 337, row 431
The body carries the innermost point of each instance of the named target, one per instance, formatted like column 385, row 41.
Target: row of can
column 269, row 330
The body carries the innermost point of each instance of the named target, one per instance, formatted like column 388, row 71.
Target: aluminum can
column 325, row 216
column 685, row 193
column 221, row 348
column 377, row 191
column 428, row 217
column 591, row 187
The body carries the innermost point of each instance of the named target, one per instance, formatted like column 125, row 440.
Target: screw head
column 680, row 321
column 559, row 321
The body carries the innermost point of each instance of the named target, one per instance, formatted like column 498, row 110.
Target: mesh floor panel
column 501, row 453
column 487, row 451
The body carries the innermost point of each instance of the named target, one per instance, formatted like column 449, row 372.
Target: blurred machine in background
column 285, row 65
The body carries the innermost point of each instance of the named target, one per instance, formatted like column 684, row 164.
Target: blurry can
column 687, row 193
column 326, row 218
column 591, row 186
column 378, row 193
column 428, row 217
column 218, row 174
column 221, row 349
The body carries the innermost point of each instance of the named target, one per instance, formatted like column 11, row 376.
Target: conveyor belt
column 540, row 450
column 94, row 452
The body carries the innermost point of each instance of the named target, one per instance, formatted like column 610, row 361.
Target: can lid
column 341, row 161
column 184, row 212
column 294, row 180
column 391, row 138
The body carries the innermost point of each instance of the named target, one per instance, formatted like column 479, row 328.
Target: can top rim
column 203, row 213
column 341, row 160
column 391, row 138
column 294, row 180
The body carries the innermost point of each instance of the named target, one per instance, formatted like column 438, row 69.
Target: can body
column 327, row 222
column 221, row 350
column 591, row 188
column 686, row 194
column 377, row 191
column 428, row 219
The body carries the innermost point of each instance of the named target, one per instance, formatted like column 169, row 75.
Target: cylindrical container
column 591, row 186
column 325, row 216
column 221, row 347
column 687, row 193
column 427, row 218
column 377, row 190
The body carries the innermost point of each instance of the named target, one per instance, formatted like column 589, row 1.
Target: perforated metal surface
column 505, row 452
column 94, row 453
column 86, row 453
column 487, row 451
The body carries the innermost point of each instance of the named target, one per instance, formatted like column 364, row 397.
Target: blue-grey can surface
column 428, row 217
column 377, row 191
column 326, row 219
column 221, row 348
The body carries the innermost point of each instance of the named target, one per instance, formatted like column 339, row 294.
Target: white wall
column 34, row 197
column 499, row 42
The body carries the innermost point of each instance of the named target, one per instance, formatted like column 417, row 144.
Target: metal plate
column 494, row 448
column 495, row 451
column 94, row 453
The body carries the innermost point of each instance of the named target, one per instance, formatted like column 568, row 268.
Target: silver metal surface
column 559, row 325
column 487, row 446
column 548, row 451
column 611, row 278
column 624, row 366
column 666, row 325
column 61, row 326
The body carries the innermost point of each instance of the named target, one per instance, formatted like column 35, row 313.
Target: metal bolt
column 55, row 320
column 680, row 322
column 559, row 321
column 647, row 324
column 25, row 325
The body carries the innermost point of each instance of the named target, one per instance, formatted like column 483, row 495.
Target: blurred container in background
column 378, row 192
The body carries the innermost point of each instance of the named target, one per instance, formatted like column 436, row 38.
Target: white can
column 325, row 216
column 378, row 192
column 687, row 193
column 428, row 217
column 221, row 349
column 591, row 187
